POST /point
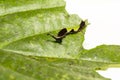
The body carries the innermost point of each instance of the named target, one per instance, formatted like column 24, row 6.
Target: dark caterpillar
column 63, row 32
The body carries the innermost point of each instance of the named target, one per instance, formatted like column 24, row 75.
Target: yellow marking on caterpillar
column 75, row 28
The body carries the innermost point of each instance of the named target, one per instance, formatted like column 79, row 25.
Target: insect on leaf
column 62, row 32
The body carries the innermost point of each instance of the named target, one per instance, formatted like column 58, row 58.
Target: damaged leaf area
column 26, row 32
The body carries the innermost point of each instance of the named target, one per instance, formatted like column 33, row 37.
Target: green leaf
column 28, row 53
column 26, row 32
column 16, row 66
column 103, row 53
column 15, row 6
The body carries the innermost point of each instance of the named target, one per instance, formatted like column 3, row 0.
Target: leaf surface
column 44, row 68
column 103, row 53
column 28, row 53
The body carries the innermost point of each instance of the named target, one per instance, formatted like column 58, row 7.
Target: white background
column 104, row 16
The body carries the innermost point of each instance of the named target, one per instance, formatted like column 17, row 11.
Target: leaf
column 26, row 32
column 16, row 66
column 15, row 6
column 103, row 53
column 28, row 53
